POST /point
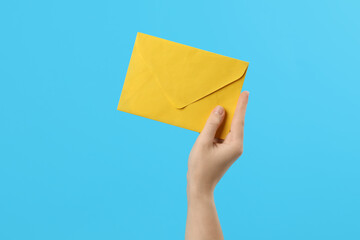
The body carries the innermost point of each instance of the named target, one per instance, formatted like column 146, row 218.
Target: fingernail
column 219, row 110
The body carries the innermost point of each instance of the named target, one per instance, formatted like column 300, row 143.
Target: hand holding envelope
column 180, row 85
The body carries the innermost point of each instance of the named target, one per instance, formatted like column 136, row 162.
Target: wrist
column 196, row 191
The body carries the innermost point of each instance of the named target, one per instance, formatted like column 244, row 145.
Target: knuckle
column 201, row 143
column 213, row 123
column 239, row 149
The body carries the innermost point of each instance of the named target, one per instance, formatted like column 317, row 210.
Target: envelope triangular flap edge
column 186, row 74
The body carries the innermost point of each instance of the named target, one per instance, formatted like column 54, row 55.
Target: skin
column 209, row 159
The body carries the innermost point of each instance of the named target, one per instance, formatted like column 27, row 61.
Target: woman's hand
column 209, row 159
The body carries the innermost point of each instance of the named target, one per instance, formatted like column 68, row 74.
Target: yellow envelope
column 180, row 85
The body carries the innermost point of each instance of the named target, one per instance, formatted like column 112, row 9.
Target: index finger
column 238, row 121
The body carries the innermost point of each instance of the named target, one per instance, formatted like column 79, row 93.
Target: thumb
column 212, row 124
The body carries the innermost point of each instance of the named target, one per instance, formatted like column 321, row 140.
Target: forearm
column 202, row 219
column 209, row 159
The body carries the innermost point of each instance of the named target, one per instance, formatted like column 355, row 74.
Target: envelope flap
column 187, row 74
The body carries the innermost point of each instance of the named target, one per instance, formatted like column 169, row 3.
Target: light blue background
column 73, row 167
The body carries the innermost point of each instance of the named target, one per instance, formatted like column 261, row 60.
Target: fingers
column 212, row 124
column 238, row 122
